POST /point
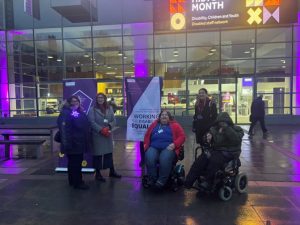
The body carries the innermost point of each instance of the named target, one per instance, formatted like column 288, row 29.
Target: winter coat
column 258, row 108
column 230, row 139
column 101, row 144
column 204, row 119
column 74, row 131
column 177, row 134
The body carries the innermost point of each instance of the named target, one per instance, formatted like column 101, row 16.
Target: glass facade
column 235, row 65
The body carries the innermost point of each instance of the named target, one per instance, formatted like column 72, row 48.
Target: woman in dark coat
column 74, row 135
column 102, row 120
column 205, row 115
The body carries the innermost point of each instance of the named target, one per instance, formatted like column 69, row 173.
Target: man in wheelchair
column 224, row 141
column 163, row 143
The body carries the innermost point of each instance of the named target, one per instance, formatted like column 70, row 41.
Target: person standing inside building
column 257, row 114
column 102, row 120
column 205, row 115
column 74, row 130
column 113, row 104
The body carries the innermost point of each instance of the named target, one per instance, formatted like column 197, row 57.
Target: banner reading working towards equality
column 85, row 90
column 143, row 105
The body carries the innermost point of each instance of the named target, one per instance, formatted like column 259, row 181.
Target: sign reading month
column 203, row 13
column 197, row 14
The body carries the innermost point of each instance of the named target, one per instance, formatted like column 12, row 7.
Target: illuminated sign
column 177, row 14
column 197, row 14
column 209, row 13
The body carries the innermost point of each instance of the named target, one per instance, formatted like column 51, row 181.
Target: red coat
column 177, row 133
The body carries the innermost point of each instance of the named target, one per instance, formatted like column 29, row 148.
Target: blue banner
column 85, row 90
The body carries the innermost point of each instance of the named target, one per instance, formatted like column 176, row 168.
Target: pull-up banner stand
column 85, row 90
column 143, row 97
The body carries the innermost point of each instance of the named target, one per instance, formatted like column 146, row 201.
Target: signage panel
column 200, row 14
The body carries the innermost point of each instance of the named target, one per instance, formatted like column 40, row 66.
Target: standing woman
column 102, row 120
column 74, row 130
column 205, row 115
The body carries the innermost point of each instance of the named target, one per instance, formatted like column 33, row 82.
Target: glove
column 105, row 132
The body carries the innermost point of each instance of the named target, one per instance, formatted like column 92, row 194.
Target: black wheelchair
column 226, row 180
column 176, row 178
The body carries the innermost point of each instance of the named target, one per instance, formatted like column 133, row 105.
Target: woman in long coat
column 102, row 120
column 74, row 130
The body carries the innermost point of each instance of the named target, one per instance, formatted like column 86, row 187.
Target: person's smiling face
column 100, row 99
column 75, row 103
column 202, row 94
column 164, row 118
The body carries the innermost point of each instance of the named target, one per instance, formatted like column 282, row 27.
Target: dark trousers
column 142, row 152
column 74, row 169
column 262, row 124
column 206, row 166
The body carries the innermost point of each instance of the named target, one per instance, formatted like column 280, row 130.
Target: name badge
column 105, row 120
column 160, row 131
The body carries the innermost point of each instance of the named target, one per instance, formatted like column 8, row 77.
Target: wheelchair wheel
column 145, row 181
column 241, row 183
column 181, row 177
column 225, row 193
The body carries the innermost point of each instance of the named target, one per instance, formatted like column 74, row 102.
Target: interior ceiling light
column 58, row 60
column 125, row 57
column 108, row 67
column 283, row 61
column 213, row 50
column 175, row 52
column 50, row 57
column 246, row 52
column 252, row 48
column 120, row 53
column 211, row 53
column 86, row 55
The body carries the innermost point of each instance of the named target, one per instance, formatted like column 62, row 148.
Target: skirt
column 101, row 162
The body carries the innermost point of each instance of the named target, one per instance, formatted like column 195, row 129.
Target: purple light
column 141, row 63
column 297, row 80
column 4, row 100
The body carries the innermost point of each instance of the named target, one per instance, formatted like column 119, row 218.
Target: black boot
column 98, row 176
column 113, row 173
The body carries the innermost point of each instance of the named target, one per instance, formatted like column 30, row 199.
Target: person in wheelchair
column 162, row 143
column 224, row 141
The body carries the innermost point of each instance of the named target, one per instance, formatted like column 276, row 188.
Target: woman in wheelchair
column 162, row 143
column 224, row 139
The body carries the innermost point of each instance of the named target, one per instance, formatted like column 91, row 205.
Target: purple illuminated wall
column 297, row 84
column 141, row 62
column 4, row 101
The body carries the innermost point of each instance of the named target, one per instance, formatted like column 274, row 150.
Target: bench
column 7, row 144
column 20, row 133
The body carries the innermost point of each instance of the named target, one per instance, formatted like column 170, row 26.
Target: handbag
column 57, row 137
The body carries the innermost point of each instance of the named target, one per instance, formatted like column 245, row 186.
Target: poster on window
column 143, row 96
column 85, row 90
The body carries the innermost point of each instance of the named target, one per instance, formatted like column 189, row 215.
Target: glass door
column 228, row 97
column 244, row 99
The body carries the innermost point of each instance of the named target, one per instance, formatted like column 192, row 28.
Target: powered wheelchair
column 177, row 175
column 226, row 180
